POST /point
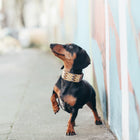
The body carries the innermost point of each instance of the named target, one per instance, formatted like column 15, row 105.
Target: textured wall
column 110, row 32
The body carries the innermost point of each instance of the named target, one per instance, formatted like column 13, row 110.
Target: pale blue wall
column 133, row 67
column 84, row 38
column 82, row 31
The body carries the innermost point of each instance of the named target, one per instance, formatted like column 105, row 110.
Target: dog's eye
column 71, row 47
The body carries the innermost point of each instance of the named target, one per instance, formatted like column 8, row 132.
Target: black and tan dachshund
column 71, row 91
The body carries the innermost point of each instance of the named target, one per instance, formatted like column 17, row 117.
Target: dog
column 70, row 91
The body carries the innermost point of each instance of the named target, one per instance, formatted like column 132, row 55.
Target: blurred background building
column 108, row 30
column 38, row 22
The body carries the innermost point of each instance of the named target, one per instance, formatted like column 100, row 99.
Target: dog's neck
column 69, row 68
column 75, row 71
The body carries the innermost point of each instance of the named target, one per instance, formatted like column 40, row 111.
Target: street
column 26, row 82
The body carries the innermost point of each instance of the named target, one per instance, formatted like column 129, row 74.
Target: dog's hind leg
column 92, row 105
column 71, row 123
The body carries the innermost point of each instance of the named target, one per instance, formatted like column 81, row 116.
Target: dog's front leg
column 55, row 105
column 71, row 123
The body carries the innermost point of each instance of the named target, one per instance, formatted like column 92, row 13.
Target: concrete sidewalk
column 26, row 82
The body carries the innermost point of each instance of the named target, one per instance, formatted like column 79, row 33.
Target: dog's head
column 73, row 56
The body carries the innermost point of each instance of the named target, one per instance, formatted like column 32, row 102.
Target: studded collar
column 72, row 77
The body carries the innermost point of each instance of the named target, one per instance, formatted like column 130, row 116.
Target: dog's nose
column 52, row 46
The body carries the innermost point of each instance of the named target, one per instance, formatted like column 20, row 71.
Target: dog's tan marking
column 69, row 99
column 69, row 60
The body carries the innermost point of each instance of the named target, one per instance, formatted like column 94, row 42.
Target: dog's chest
column 67, row 102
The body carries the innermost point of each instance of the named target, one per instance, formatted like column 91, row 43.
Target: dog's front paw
column 56, row 108
column 70, row 132
column 70, row 129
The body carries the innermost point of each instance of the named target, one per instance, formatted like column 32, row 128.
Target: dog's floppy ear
column 82, row 60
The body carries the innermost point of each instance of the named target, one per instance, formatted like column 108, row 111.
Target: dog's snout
column 52, row 46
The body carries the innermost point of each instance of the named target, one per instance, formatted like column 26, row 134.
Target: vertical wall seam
column 90, row 46
column 107, row 58
column 124, row 70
